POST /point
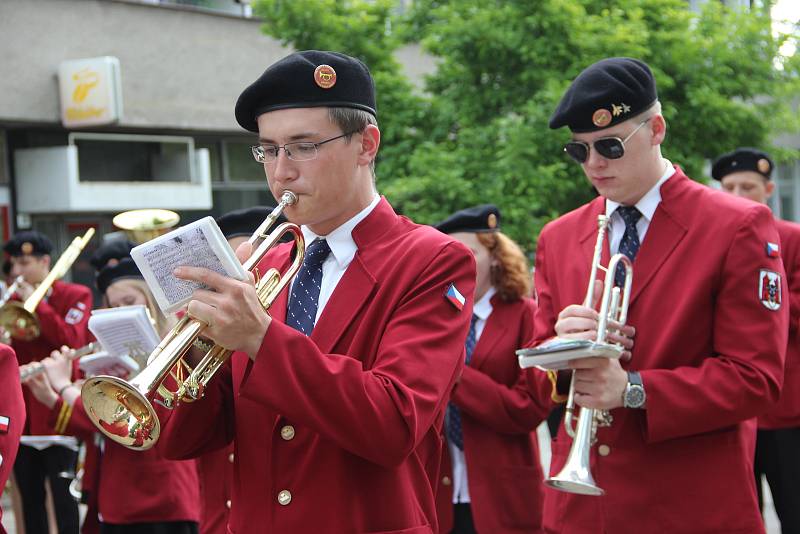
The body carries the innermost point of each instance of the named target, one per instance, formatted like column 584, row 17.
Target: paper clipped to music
column 127, row 336
column 199, row 244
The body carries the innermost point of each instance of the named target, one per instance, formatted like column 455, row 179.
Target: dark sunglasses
column 608, row 147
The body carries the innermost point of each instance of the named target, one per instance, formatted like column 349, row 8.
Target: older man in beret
column 747, row 172
column 63, row 316
column 707, row 325
column 335, row 398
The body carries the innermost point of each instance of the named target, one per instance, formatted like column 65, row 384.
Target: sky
column 783, row 11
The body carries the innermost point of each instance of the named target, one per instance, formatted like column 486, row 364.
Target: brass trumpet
column 10, row 290
column 124, row 412
column 36, row 368
column 19, row 319
column 576, row 476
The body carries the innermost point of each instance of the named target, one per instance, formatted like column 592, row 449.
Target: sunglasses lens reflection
column 577, row 151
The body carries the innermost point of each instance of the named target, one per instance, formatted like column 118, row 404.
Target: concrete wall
column 181, row 69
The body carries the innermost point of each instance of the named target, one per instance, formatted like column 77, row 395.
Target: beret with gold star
column 308, row 79
column 742, row 159
column 28, row 242
column 483, row 218
column 606, row 93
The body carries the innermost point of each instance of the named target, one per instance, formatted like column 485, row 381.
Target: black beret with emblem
column 125, row 269
column 483, row 218
column 245, row 221
column 111, row 252
column 308, row 79
column 28, row 242
column 742, row 159
column 611, row 91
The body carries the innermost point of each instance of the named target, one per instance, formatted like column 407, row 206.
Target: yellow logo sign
column 85, row 80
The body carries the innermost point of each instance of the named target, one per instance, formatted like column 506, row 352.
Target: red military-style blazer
column 215, row 470
column 12, row 414
column 63, row 317
column 498, row 419
column 342, row 431
column 786, row 414
column 132, row 486
column 711, row 357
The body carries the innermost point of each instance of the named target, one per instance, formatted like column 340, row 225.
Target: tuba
column 576, row 476
column 124, row 412
column 143, row 225
column 19, row 319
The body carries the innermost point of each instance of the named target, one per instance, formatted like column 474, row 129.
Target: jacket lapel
column 663, row 235
column 350, row 295
column 493, row 331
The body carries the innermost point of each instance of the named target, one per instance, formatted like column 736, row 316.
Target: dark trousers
column 462, row 519
column 165, row 527
column 778, row 458
column 32, row 467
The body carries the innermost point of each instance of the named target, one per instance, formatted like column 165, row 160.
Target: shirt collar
column 483, row 308
column 340, row 241
column 649, row 202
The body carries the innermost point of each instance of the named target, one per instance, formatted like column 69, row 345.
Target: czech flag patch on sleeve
column 455, row 297
column 4, row 424
column 773, row 250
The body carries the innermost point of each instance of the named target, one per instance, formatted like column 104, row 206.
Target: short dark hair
column 352, row 120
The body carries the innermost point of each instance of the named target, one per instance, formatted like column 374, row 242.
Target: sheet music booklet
column 127, row 336
column 199, row 244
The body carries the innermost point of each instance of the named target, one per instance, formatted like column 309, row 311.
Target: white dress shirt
column 343, row 250
column 647, row 207
column 483, row 309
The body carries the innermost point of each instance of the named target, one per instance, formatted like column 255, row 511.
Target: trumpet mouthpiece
column 288, row 198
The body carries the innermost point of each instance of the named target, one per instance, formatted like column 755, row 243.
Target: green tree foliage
column 479, row 133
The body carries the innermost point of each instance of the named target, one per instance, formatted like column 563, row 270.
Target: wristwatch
column 634, row 396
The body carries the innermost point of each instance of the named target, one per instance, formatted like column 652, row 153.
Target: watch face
column 634, row 397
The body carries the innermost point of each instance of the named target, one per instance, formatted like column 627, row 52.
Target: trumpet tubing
column 123, row 410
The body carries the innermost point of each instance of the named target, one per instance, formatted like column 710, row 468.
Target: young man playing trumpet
column 63, row 316
column 335, row 397
column 707, row 325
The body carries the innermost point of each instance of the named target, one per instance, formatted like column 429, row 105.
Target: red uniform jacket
column 341, row 431
column 133, row 486
column 498, row 419
column 215, row 470
column 12, row 414
column 63, row 317
column 787, row 413
column 710, row 354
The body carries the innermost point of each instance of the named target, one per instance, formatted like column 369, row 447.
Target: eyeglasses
column 300, row 151
column 608, row 147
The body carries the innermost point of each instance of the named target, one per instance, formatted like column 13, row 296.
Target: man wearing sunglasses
column 335, row 397
column 746, row 172
column 706, row 329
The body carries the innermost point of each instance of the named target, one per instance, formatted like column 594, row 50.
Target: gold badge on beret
column 491, row 221
column 325, row 76
column 601, row 118
column 763, row 166
column 26, row 248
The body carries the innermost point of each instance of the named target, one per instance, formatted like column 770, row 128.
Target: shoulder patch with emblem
column 74, row 316
column 769, row 289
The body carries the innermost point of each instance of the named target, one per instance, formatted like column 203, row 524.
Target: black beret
column 611, row 91
column 28, row 242
column 306, row 80
column 111, row 251
column 126, row 268
column 244, row 222
column 483, row 218
column 742, row 159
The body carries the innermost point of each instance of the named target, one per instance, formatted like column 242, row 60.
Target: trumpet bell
column 121, row 412
column 143, row 225
column 19, row 322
